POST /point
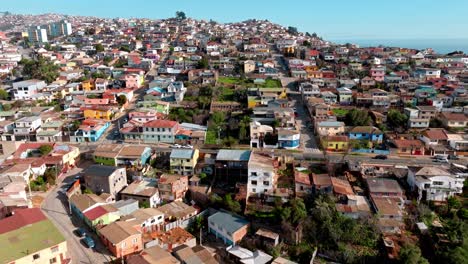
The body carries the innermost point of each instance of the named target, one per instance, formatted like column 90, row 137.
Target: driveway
column 55, row 206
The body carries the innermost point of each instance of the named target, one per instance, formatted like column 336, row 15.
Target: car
column 380, row 157
column 81, row 232
column 89, row 242
column 441, row 160
column 187, row 147
column 453, row 157
column 176, row 146
column 125, row 120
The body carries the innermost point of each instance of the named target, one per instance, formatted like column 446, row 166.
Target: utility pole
column 201, row 244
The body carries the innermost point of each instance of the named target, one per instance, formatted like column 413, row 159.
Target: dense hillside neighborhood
column 191, row 141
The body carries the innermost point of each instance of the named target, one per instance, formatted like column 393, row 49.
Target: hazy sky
column 339, row 19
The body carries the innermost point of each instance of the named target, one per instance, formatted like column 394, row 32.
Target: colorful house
column 98, row 112
column 90, row 130
column 183, row 161
column 289, row 139
column 88, row 85
column 227, row 227
column 366, row 133
column 336, row 143
column 101, row 215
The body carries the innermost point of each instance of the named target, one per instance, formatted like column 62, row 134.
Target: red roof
column 20, row 218
column 161, row 124
column 95, row 213
column 314, row 53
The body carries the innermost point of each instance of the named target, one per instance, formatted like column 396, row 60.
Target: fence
column 374, row 151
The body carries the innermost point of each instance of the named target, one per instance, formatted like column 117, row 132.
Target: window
column 253, row 182
column 36, row 256
column 254, row 173
column 135, row 240
column 53, row 260
column 54, row 249
column 254, row 190
column 124, row 244
column 266, row 183
column 438, row 183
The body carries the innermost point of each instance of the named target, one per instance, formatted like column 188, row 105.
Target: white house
column 434, row 183
column 25, row 89
column 26, row 126
column 262, row 177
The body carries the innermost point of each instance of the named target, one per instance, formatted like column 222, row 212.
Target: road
column 303, row 123
column 55, row 206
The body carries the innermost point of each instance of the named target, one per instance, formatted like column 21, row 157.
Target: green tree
column 411, row 254
column 41, row 69
column 357, row 117
column 125, row 48
column 231, row 204
column 298, row 211
column 4, row 94
column 203, row 63
column 243, row 125
column 45, row 149
column 396, row 119
column 144, row 204
column 99, row 47
column 121, row 100
column 292, row 30
column 180, row 15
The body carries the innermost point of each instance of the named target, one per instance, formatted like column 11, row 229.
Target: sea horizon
column 442, row 45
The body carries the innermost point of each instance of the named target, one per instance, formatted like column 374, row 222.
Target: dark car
column 81, row 232
column 380, row 157
column 453, row 157
column 89, row 242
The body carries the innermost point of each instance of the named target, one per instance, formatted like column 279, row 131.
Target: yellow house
column 98, row 113
column 183, row 161
column 88, row 85
column 336, row 143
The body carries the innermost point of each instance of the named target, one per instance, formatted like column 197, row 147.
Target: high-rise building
column 37, row 34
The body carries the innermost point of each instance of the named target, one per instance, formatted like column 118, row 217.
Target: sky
column 334, row 20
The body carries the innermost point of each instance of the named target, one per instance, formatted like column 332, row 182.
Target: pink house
column 378, row 73
column 133, row 81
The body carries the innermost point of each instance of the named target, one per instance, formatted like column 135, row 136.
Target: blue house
column 90, row 130
column 288, row 139
column 366, row 133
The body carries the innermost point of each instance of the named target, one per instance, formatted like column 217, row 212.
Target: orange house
column 121, row 238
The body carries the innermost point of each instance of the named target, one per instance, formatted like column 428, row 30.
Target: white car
column 176, row 146
column 188, row 147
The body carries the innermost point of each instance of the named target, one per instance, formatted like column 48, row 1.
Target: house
column 134, row 81
column 322, row 183
column 152, row 255
column 356, row 206
column 98, row 112
column 121, row 239
column 249, row 66
column 227, row 107
column 390, row 213
column 144, row 191
column 378, row 73
column 177, row 214
column 257, row 134
column 192, row 255
column 308, row 89
column 106, row 154
column 288, row 139
column 231, row 165
column 90, row 130
column 426, row 73
column 242, row 255
column 435, row 140
column 80, row 203
column 125, row 207
column 145, row 220
column 458, row 142
column 341, row 187
column 416, row 120
column 29, row 237
column 366, row 133
column 329, row 97
column 381, row 187
column 345, row 95
column 88, row 85
column 172, row 187
column 100, row 216
column 330, row 128
column 409, row 146
column 160, row 131
column 367, row 82
column 105, row 179
column 268, row 237
column 434, row 183
column 336, row 143
column 171, row 239
column 262, row 176
column 101, row 84
column 302, row 182
column 133, row 155
column 27, row 127
column 454, row 120
column 50, row 132
column 25, row 90
column 227, row 227
column 183, row 161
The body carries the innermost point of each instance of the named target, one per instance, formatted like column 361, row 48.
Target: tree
column 180, row 15
column 411, row 254
column 298, row 211
column 6, row 107
column 125, row 48
column 45, row 149
column 121, row 99
column 292, row 30
column 232, row 205
column 243, row 125
column 357, row 117
column 99, row 47
column 144, row 204
column 203, row 63
column 396, row 119
column 41, row 69
column 4, row 94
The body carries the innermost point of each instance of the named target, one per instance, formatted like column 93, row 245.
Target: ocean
column 442, row 46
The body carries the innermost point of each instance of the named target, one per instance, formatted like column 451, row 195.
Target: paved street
column 308, row 144
column 55, row 206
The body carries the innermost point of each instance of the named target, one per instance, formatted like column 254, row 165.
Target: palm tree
column 243, row 124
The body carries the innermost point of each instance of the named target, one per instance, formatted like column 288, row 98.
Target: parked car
column 176, row 146
column 441, row 160
column 453, row 157
column 89, row 242
column 187, row 147
column 116, row 132
column 380, row 157
column 81, row 232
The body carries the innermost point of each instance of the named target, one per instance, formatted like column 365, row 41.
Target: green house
column 101, row 215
